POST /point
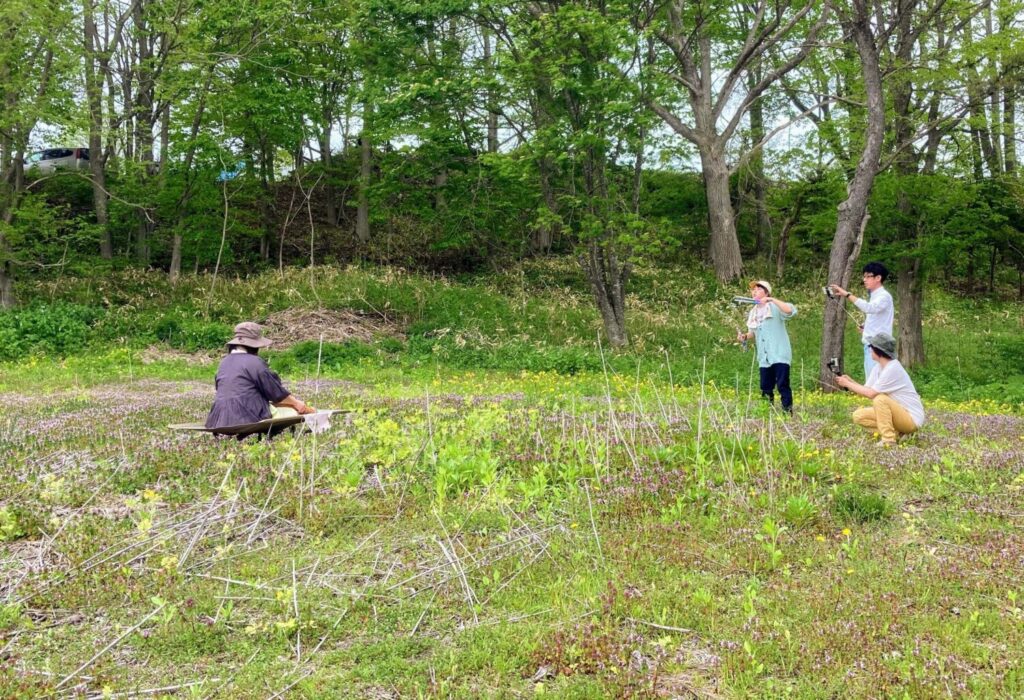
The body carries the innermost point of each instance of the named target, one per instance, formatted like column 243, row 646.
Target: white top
column 879, row 313
column 894, row 381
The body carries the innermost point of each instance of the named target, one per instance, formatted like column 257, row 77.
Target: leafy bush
column 799, row 511
column 57, row 329
column 332, row 354
column 190, row 334
column 10, row 528
column 860, row 505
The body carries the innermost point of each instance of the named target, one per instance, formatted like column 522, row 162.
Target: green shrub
column 58, row 329
column 862, row 506
column 10, row 528
column 391, row 345
column 192, row 334
column 331, row 354
column 167, row 329
column 799, row 511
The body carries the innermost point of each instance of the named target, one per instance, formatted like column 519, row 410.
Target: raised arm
column 784, row 307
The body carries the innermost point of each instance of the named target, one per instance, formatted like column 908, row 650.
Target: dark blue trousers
column 777, row 376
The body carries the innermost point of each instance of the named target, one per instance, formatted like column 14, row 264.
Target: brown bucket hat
column 250, row 335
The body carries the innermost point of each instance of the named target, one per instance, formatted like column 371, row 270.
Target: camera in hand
column 829, row 294
column 833, row 365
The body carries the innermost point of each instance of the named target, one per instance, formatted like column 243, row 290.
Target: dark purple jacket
column 245, row 388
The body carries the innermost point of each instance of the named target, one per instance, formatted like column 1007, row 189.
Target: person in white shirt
column 896, row 407
column 878, row 307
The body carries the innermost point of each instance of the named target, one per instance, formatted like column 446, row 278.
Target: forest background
column 463, row 136
column 506, row 237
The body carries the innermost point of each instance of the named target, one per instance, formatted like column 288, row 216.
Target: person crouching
column 896, row 408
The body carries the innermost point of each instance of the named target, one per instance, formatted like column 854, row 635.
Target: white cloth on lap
column 318, row 422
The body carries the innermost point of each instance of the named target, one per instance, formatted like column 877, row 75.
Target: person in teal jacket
column 766, row 325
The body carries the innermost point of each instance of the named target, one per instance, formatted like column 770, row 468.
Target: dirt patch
column 23, row 558
column 162, row 353
column 286, row 328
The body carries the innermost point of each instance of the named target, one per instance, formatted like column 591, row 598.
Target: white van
column 48, row 160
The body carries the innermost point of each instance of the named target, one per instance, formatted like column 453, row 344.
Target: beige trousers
column 886, row 417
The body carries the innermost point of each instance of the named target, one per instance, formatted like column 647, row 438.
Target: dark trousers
column 777, row 375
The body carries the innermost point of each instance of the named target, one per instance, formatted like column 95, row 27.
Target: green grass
column 479, row 533
column 504, row 530
column 536, row 317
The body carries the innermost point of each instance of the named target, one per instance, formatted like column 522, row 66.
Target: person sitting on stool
column 248, row 391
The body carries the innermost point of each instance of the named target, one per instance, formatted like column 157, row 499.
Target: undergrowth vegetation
column 491, row 534
column 536, row 316
column 623, row 525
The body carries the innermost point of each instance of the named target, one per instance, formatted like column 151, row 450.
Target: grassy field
column 536, row 316
column 642, row 527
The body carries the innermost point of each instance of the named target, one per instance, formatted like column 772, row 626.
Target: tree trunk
column 608, row 285
column 165, row 137
column 993, row 258
column 1010, row 128
column 11, row 184
column 492, row 111
column 996, row 65
column 724, row 247
column 6, row 142
column 910, row 286
column 145, row 125
column 543, row 235
column 330, row 195
column 853, row 214
column 982, row 132
column 365, row 173
column 780, row 258
column 440, row 180
column 94, row 97
column 99, row 198
column 976, row 162
column 761, row 223
column 186, row 194
column 143, row 230
column 910, row 290
column 175, row 271
column 128, row 108
column 7, row 300
column 267, row 201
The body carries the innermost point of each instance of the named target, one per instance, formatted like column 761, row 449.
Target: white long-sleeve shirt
column 880, row 313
